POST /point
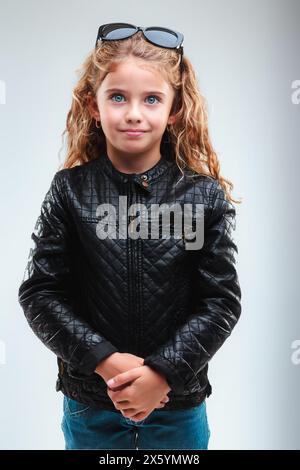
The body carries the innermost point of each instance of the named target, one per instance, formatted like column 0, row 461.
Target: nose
column 133, row 113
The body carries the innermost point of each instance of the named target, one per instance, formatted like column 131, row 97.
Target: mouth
column 134, row 133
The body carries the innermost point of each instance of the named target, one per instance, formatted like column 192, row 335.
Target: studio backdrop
column 246, row 57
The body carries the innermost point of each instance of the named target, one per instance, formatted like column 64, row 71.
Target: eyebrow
column 110, row 90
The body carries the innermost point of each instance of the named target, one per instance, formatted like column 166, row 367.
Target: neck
column 133, row 163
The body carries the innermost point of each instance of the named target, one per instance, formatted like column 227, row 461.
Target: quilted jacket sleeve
column 217, row 302
column 44, row 294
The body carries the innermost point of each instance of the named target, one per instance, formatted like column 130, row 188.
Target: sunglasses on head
column 162, row 37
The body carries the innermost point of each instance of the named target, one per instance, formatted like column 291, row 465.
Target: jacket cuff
column 92, row 358
column 167, row 368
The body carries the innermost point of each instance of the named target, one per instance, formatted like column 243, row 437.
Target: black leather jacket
column 86, row 297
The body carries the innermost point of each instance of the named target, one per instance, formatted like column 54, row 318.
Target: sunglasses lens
column 114, row 32
column 162, row 37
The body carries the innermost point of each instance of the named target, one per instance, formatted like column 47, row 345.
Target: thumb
column 124, row 377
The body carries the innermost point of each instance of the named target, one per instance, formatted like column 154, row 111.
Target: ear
column 93, row 107
column 172, row 119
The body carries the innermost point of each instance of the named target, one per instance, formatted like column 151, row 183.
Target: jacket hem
column 99, row 400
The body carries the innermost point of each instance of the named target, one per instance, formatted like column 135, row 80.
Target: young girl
column 131, row 280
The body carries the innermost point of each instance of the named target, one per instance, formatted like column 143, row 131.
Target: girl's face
column 134, row 96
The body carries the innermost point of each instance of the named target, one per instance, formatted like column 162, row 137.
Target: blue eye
column 153, row 96
column 116, row 94
column 119, row 94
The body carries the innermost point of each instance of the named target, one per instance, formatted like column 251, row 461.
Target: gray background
column 246, row 55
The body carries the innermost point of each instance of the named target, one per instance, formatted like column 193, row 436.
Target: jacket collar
column 144, row 180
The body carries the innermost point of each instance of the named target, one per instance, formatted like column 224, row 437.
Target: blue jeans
column 86, row 428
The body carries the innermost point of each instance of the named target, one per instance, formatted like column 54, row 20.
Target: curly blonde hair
column 187, row 140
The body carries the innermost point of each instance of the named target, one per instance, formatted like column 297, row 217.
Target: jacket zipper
column 138, row 287
column 131, row 278
column 134, row 282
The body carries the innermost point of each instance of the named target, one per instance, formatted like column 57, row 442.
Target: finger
column 119, row 392
column 121, row 406
column 124, row 377
column 119, row 395
column 128, row 411
column 132, row 414
column 118, row 389
column 139, row 416
column 121, row 387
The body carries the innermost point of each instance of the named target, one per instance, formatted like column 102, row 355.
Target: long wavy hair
column 187, row 141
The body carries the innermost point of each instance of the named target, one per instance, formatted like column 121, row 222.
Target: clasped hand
column 143, row 393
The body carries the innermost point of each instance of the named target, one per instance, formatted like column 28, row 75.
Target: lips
column 134, row 132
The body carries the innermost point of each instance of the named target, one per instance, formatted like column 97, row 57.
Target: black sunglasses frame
column 178, row 46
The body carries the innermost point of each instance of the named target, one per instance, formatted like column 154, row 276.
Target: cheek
column 158, row 121
column 111, row 117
